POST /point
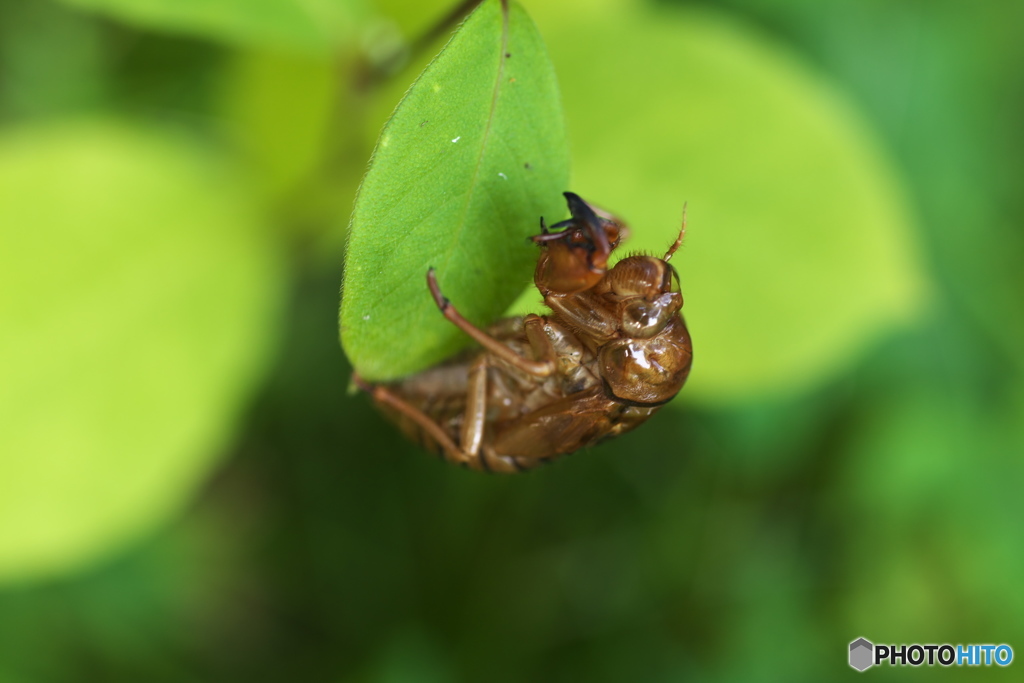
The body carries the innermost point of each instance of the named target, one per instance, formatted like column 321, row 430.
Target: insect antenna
column 679, row 239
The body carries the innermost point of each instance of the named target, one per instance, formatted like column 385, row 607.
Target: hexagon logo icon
column 861, row 654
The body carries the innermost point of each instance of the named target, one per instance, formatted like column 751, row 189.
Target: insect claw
column 435, row 290
column 574, row 201
column 583, row 213
column 360, row 383
column 543, row 228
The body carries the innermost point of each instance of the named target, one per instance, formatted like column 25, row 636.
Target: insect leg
column 474, row 421
column 543, row 368
column 538, row 338
column 385, row 396
column 475, row 417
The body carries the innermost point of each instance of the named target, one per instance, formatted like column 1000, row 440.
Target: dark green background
column 738, row 541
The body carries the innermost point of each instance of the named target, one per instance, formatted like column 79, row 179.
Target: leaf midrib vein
column 457, row 235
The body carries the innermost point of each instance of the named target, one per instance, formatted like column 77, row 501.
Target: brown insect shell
column 648, row 371
column 575, row 262
column 563, row 269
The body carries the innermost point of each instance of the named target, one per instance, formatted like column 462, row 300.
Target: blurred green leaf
column 934, row 481
column 945, row 71
column 312, row 25
column 773, row 594
column 297, row 125
column 471, row 159
column 52, row 60
column 415, row 18
column 138, row 301
column 277, row 108
column 800, row 249
column 411, row 657
column 140, row 607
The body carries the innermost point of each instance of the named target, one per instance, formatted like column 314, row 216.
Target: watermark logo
column 861, row 654
column 864, row 654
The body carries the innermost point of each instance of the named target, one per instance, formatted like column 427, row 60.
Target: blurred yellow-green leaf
column 277, row 108
column 138, row 300
column 292, row 118
column 800, row 248
column 311, row 25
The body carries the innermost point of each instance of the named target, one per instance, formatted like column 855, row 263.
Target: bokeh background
column 189, row 493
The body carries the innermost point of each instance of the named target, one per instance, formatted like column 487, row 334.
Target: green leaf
column 472, row 158
column 138, row 305
column 800, row 249
column 312, row 25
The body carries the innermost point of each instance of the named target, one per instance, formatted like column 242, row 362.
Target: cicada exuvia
column 613, row 349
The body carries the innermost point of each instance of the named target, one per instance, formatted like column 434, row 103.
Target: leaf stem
column 444, row 25
column 369, row 76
